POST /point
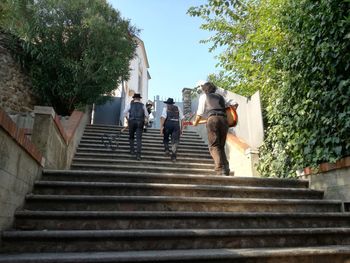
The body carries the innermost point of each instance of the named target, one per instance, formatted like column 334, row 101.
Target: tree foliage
column 250, row 36
column 297, row 52
column 310, row 120
column 79, row 49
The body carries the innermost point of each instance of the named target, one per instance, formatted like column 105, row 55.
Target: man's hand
column 196, row 121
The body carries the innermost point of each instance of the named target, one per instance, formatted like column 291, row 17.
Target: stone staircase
column 112, row 208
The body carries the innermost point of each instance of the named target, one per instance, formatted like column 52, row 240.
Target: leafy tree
column 310, row 120
column 79, row 49
column 298, row 53
column 250, row 35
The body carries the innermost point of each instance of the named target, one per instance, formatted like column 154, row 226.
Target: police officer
column 171, row 125
column 211, row 106
column 136, row 114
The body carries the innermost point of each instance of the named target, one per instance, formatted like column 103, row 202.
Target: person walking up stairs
column 136, row 115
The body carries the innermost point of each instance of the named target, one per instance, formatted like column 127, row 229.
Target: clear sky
column 171, row 39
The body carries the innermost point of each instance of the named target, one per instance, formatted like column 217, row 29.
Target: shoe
column 223, row 171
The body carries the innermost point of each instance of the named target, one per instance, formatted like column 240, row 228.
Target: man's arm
column 145, row 111
column 200, row 110
column 196, row 121
column 162, row 120
column 126, row 112
column 181, row 119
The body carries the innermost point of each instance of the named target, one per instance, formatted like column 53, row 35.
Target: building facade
column 112, row 112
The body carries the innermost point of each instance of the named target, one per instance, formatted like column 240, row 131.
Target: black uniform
column 135, row 123
column 172, row 128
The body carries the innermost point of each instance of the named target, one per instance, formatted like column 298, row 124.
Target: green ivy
column 309, row 122
column 297, row 52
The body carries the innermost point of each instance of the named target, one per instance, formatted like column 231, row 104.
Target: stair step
column 152, row 141
column 145, row 141
column 167, row 177
column 145, row 152
column 156, row 189
column 159, row 239
column 149, row 133
column 125, row 167
column 149, row 157
column 80, row 220
column 312, row 254
column 132, row 162
column 118, row 128
column 145, row 137
column 153, row 147
column 172, row 203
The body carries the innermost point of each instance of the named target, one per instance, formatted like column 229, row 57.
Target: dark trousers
column 217, row 128
column 135, row 126
column 172, row 129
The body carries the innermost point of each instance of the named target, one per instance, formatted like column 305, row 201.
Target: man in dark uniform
column 211, row 106
column 136, row 114
column 171, row 125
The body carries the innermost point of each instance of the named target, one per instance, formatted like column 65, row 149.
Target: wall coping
column 73, row 122
column 238, row 143
column 326, row 167
column 19, row 136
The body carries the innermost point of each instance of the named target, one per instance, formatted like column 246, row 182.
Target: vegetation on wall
column 298, row 54
column 76, row 50
column 309, row 121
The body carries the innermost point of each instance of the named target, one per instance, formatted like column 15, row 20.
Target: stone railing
column 332, row 178
column 21, row 160
column 57, row 143
column 242, row 158
column 21, row 164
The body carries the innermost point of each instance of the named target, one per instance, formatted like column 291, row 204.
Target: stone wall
column 332, row 178
column 55, row 141
column 15, row 85
column 20, row 166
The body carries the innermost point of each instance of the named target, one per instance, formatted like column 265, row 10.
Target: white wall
column 138, row 66
column 250, row 123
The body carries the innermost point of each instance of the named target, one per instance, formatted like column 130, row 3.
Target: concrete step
column 97, row 127
column 145, row 152
column 171, row 203
column 165, row 239
column 98, row 220
column 177, row 169
column 312, row 254
column 146, row 146
column 151, row 143
column 132, row 162
column 117, row 155
column 156, row 189
column 145, row 136
column 150, row 138
column 167, row 177
column 149, row 133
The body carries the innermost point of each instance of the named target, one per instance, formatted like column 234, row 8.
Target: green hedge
column 309, row 121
